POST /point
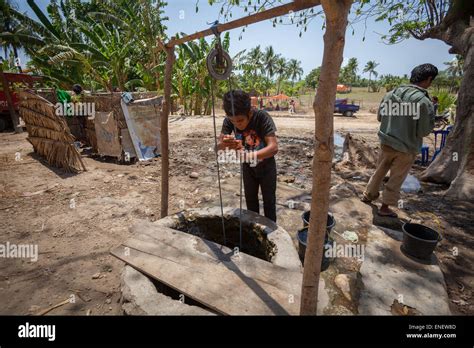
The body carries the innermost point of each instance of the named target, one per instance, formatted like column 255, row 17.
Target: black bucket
column 329, row 224
column 302, row 240
column 419, row 241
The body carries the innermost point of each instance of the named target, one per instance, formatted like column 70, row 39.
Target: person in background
column 407, row 115
column 77, row 89
column 292, row 106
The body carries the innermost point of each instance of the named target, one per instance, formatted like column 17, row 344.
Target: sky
column 398, row 59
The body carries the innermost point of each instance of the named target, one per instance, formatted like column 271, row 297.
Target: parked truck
column 342, row 106
column 5, row 117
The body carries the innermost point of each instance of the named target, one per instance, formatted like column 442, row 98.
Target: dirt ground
column 75, row 219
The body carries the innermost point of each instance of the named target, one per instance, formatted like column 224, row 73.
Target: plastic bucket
column 419, row 241
column 331, row 222
column 302, row 236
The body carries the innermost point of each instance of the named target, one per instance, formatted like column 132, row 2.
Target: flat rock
column 140, row 297
column 388, row 275
column 343, row 282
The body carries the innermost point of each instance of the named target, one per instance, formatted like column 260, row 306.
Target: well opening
column 254, row 243
column 254, row 238
column 261, row 238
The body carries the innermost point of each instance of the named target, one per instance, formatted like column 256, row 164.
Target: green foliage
column 390, row 81
column 348, row 73
column 446, row 100
column 97, row 44
column 312, row 79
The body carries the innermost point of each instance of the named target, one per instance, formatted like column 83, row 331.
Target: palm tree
column 370, row 68
column 110, row 41
column 352, row 67
column 295, row 71
column 8, row 26
column 254, row 60
column 142, row 23
column 281, row 70
column 269, row 61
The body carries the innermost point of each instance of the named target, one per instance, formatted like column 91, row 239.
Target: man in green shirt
column 406, row 115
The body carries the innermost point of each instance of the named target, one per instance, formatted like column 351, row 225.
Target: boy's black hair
column 241, row 101
column 422, row 72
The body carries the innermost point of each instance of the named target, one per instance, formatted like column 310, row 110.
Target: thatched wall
column 49, row 133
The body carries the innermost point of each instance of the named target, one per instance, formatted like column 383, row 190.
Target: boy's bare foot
column 386, row 211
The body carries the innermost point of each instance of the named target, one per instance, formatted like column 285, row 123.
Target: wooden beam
column 165, row 160
column 294, row 6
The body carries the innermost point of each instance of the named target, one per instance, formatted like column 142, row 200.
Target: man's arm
column 425, row 124
column 382, row 108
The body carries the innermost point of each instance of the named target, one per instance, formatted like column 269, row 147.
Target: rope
column 241, row 166
column 221, row 53
column 217, row 161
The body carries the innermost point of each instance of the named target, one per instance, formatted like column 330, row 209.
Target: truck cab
column 342, row 106
column 5, row 118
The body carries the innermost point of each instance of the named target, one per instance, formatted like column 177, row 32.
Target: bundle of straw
column 49, row 133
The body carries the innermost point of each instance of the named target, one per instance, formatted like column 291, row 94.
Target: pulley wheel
column 219, row 72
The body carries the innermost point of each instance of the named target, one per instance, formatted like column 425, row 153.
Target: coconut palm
column 295, row 71
column 254, row 60
column 281, row 70
column 352, row 67
column 370, row 68
column 269, row 61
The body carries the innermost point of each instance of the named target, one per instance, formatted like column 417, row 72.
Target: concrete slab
column 388, row 275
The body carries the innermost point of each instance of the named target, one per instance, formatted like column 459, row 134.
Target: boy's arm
column 270, row 150
column 228, row 141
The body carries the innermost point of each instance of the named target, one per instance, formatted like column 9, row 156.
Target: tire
column 210, row 65
column 348, row 113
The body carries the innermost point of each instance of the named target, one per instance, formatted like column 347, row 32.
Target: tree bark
column 336, row 12
column 455, row 163
column 170, row 58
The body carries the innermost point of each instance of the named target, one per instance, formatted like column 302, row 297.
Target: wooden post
column 336, row 12
column 165, row 161
column 13, row 115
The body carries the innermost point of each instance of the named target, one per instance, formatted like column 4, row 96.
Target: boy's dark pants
column 264, row 176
